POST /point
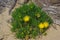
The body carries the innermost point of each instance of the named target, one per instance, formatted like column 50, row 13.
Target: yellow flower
column 37, row 15
column 46, row 24
column 41, row 25
column 26, row 18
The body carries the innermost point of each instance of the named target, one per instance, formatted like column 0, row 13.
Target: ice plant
column 29, row 21
column 26, row 18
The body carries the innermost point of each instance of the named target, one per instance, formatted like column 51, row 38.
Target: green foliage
column 29, row 28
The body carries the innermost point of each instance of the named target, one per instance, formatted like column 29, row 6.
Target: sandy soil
column 6, row 34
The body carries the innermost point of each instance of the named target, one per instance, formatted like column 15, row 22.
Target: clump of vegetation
column 30, row 21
